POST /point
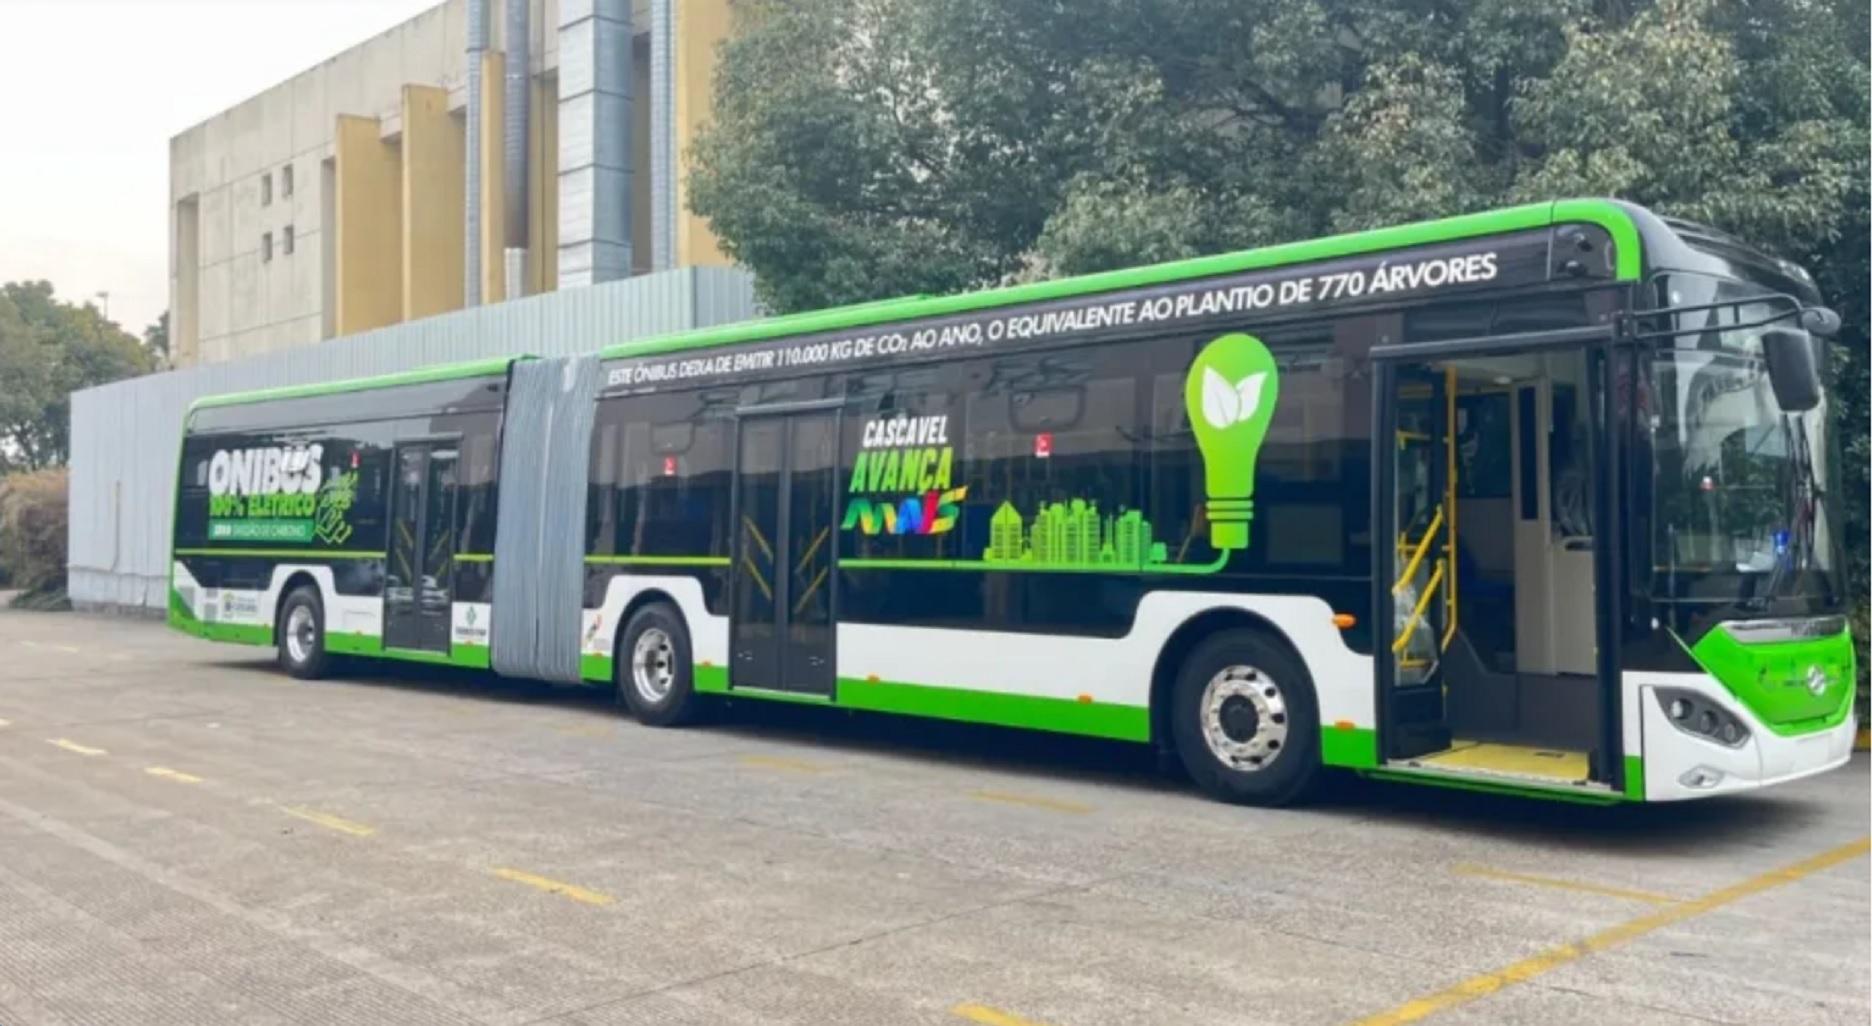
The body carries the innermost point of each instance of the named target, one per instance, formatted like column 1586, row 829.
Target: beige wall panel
column 369, row 227
column 493, row 204
column 700, row 26
column 432, row 203
column 543, row 177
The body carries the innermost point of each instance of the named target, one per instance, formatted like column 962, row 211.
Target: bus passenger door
column 781, row 628
column 1418, row 533
column 419, row 581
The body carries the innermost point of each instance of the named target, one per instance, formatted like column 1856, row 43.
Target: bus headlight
column 1697, row 716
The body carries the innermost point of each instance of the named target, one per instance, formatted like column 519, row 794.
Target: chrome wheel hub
column 301, row 634
column 653, row 665
column 1244, row 718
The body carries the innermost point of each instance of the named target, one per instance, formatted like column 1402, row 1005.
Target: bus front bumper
column 1680, row 765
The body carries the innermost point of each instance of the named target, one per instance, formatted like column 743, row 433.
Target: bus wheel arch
column 1182, row 641
column 294, row 581
column 300, row 628
column 655, row 621
column 1237, row 651
column 646, row 597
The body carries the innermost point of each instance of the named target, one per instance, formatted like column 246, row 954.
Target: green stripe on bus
column 658, row 560
column 1214, row 566
column 1634, row 778
column 284, row 553
column 1352, row 747
column 1061, row 715
column 356, row 643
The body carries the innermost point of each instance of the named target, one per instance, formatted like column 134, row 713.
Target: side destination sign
column 1497, row 261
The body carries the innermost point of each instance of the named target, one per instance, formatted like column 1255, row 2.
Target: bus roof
column 1621, row 220
column 483, row 368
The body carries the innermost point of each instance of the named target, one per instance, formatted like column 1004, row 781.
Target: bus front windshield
column 1740, row 486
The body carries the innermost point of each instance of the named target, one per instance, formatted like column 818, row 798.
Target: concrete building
column 413, row 174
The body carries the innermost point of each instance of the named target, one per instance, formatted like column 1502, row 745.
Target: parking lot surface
column 188, row 836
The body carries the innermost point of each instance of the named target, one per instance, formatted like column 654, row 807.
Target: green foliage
column 156, row 340
column 870, row 148
column 33, row 520
column 48, row 349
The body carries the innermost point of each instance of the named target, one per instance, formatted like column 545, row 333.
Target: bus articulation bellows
column 1536, row 500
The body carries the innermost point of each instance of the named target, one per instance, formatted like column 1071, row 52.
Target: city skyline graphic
column 1072, row 534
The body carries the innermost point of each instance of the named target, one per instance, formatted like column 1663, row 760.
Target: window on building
column 286, row 240
column 286, row 181
column 266, row 246
column 266, row 189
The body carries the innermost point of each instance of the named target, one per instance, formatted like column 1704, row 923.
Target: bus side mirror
column 1820, row 322
column 1792, row 369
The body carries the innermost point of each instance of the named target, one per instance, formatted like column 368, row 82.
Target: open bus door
column 1494, row 632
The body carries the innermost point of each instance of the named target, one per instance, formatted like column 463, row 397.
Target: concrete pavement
column 189, row 836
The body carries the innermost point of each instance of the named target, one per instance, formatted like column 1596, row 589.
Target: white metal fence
column 124, row 436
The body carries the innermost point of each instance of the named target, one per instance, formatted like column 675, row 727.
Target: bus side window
column 1055, row 437
column 661, row 466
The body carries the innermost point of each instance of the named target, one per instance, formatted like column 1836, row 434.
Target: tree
column 156, row 340
column 869, row 148
column 48, row 349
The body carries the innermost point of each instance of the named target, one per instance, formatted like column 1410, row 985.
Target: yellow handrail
column 1423, row 603
column 1410, row 569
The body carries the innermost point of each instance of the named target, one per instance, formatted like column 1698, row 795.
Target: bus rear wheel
column 1245, row 720
column 301, row 634
column 654, row 674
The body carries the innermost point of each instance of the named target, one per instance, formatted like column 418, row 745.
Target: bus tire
column 654, row 673
column 1245, row 719
column 301, row 634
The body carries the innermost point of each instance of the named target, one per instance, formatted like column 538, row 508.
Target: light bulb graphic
column 1230, row 396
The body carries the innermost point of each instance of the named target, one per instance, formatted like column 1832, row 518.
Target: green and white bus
column 1534, row 500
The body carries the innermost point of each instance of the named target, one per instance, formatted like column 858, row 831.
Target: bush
column 33, row 521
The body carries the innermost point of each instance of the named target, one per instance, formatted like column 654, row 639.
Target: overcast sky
column 91, row 91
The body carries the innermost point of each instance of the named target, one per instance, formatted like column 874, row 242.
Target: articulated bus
column 1537, row 500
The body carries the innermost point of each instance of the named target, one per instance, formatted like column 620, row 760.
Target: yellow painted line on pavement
column 328, row 821
column 73, row 649
column 1487, row 873
column 73, row 746
column 176, row 775
column 990, row 1016
column 776, row 762
column 1485, row 984
column 1033, row 801
column 6, row 723
column 551, row 886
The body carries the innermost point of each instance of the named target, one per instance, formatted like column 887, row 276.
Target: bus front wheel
column 301, row 634
column 654, row 675
column 1245, row 719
